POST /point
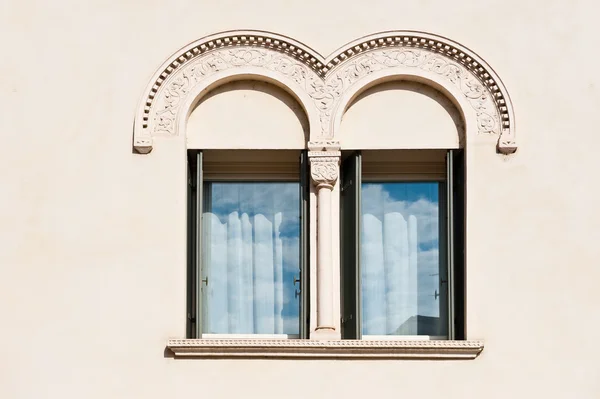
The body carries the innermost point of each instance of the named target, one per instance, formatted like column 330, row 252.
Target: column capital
column 324, row 168
column 324, row 159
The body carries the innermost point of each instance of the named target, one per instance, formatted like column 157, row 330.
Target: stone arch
column 456, row 71
column 325, row 86
column 202, row 65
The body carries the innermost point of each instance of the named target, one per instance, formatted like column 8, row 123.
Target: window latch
column 296, row 280
column 346, row 319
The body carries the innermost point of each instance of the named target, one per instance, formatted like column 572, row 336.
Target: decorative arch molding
column 325, row 86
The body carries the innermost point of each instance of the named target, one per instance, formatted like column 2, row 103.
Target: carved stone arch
column 457, row 72
column 325, row 86
column 187, row 75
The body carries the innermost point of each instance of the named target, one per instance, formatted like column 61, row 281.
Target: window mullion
column 350, row 233
column 198, row 244
column 191, row 250
column 450, row 240
column 357, row 227
column 304, row 246
column 458, row 222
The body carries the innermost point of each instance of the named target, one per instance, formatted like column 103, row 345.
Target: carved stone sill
column 345, row 349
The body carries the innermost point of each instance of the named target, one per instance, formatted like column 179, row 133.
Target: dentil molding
column 320, row 84
column 337, row 349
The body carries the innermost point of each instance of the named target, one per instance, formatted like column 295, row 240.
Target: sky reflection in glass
column 251, row 252
column 400, row 261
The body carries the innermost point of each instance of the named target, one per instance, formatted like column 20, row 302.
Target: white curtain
column 243, row 261
column 389, row 273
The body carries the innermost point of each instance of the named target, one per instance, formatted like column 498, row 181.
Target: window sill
column 345, row 349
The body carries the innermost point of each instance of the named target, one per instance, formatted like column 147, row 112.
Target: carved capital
column 324, row 169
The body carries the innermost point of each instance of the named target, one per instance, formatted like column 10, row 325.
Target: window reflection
column 251, row 252
column 401, row 272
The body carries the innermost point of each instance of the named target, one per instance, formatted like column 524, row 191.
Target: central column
column 324, row 170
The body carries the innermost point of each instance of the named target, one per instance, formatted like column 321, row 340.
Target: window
column 402, row 271
column 247, row 250
column 402, row 266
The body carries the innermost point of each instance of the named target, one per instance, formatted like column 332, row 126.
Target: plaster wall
column 92, row 253
column 247, row 114
column 401, row 114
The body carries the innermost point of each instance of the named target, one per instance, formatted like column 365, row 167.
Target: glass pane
column 251, row 253
column 401, row 272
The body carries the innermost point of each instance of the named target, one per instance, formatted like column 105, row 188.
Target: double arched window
column 327, row 195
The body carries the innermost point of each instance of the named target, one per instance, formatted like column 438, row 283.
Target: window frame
column 451, row 227
column 197, row 178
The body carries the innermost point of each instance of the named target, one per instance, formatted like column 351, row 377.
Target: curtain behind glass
column 400, row 267
column 251, row 253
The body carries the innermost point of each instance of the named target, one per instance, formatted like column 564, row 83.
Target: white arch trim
column 324, row 86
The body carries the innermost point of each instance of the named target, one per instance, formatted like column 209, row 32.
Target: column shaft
column 324, row 170
column 324, row 263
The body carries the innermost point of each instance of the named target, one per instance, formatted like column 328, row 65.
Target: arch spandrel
column 325, row 86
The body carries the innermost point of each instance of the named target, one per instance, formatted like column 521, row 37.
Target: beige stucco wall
column 92, row 249
column 401, row 114
column 247, row 114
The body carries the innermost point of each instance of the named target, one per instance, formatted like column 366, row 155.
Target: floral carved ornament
column 324, row 170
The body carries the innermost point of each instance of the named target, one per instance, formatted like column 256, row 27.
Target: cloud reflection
column 252, row 237
column 400, row 281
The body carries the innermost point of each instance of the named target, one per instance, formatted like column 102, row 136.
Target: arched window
column 402, row 273
column 375, row 138
column 248, row 217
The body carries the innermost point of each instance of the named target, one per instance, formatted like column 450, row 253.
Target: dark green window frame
column 452, row 220
column 195, row 180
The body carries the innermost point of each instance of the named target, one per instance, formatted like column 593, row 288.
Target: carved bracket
column 320, row 82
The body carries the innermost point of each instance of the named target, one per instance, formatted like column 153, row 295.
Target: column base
column 325, row 334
